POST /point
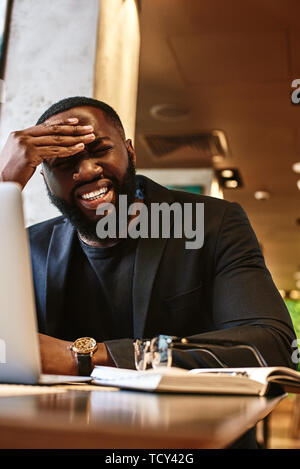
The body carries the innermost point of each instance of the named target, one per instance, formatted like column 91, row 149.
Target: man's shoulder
column 165, row 194
column 186, row 197
column 44, row 228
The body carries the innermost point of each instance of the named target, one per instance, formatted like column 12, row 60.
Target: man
column 114, row 290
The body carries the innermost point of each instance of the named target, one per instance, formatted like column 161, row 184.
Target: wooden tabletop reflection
column 127, row 419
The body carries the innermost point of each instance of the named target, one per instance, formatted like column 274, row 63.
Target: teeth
column 95, row 194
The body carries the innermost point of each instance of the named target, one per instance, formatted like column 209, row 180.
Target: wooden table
column 78, row 418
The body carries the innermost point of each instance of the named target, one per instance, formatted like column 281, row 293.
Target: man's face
column 78, row 184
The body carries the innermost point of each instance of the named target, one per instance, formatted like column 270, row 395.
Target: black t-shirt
column 98, row 292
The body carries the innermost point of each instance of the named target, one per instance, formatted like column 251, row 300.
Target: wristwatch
column 84, row 348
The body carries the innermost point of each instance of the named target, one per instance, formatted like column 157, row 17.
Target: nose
column 87, row 169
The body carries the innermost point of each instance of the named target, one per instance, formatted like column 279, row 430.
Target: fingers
column 60, row 127
column 70, row 120
column 60, row 152
column 63, row 140
column 60, row 138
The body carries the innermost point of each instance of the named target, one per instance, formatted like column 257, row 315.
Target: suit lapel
column 57, row 265
column 148, row 256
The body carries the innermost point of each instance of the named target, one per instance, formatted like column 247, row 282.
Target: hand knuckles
column 55, row 150
column 55, row 128
column 57, row 138
column 76, row 130
column 19, row 137
column 71, row 149
column 16, row 134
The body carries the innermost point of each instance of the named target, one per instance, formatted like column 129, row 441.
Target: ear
column 131, row 150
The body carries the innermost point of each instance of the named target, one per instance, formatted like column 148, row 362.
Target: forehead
column 89, row 115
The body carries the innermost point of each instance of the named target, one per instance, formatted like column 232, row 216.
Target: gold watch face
column 84, row 345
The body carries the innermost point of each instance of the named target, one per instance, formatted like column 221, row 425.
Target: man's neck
column 108, row 242
column 99, row 243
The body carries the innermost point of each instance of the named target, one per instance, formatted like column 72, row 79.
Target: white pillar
column 51, row 55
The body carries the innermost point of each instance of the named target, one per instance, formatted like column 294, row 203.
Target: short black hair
column 76, row 101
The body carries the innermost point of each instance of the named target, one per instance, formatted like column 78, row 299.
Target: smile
column 95, row 194
column 91, row 197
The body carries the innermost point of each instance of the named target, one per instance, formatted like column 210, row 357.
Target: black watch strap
column 84, row 364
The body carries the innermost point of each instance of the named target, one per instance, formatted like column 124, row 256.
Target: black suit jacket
column 220, row 291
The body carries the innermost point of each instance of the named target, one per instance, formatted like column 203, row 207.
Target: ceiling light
column 231, row 184
column 262, row 195
column 218, row 158
column 229, row 178
column 169, row 112
column 227, row 173
column 296, row 167
column 298, row 184
column 294, row 295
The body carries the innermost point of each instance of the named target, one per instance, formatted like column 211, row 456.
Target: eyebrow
column 96, row 142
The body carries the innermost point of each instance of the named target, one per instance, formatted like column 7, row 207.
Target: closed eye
column 70, row 161
column 101, row 150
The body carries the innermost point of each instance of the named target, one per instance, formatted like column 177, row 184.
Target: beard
column 86, row 227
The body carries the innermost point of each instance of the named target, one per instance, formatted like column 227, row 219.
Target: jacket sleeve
column 121, row 352
column 247, row 307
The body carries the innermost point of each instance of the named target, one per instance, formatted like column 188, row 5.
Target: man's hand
column 57, row 358
column 26, row 149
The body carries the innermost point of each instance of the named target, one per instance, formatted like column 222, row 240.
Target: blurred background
column 204, row 89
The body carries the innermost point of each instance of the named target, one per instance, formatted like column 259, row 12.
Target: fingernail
column 88, row 127
column 72, row 119
column 80, row 145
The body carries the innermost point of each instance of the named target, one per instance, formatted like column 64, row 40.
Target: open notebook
column 253, row 381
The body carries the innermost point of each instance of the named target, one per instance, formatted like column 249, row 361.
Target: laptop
column 19, row 344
